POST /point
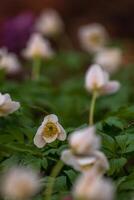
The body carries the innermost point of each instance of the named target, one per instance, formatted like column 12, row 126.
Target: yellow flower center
column 95, row 38
column 50, row 130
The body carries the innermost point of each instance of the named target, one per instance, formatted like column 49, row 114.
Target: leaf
column 116, row 165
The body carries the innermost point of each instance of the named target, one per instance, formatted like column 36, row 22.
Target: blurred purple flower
column 15, row 31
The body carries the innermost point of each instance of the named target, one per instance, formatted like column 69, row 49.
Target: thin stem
column 92, row 108
column 36, row 68
column 55, row 171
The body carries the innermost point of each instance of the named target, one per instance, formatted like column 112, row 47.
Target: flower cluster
column 84, row 151
column 93, row 39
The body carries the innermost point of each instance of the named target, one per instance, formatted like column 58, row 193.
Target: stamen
column 50, row 130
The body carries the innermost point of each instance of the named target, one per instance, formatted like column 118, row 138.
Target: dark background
column 116, row 15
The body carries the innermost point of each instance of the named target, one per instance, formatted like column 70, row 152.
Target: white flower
column 109, row 59
column 84, row 163
column 20, row 183
column 49, row 131
column 49, row 23
column 37, row 46
column 84, row 141
column 7, row 106
column 93, row 37
column 9, row 62
column 92, row 186
column 97, row 80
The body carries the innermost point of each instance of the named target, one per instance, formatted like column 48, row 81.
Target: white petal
column 84, row 141
column 86, row 161
column 39, row 141
column 50, row 139
column 109, row 58
column 101, row 161
column 88, row 33
column 52, row 118
column 110, row 87
column 2, row 99
column 68, row 158
column 62, row 135
column 95, row 78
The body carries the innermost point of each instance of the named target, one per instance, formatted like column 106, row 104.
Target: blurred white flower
column 20, row 183
column 49, row 23
column 9, row 62
column 7, row 106
column 49, row 131
column 84, row 141
column 85, row 163
column 97, row 80
column 109, row 59
column 92, row 186
column 93, row 37
column 37, row 47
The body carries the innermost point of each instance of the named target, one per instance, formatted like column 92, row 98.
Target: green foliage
column 60, row 90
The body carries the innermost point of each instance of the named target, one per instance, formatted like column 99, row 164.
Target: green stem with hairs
column 36, row 68
column 92, row 108
column 55, row 171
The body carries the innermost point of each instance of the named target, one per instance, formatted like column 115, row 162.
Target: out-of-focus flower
column 109, row 58
column 9, row 62
column 7, row 106
column 37, row 47
column 93, row 37
column 84, row 163
column 97, row 80
column 84, row 141
column 20, row 183
column 14, row 32
column 49, row 23
column 91, row 186
column 49, row 131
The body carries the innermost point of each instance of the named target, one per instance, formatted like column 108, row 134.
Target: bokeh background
column 116, row 15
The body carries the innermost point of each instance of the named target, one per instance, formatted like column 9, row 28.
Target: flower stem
column 92, row 108
column 55, row 171
column 36, row 69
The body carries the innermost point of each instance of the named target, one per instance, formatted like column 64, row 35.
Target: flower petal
column 62, row 135
column 95, row 78
column 39, row 141
column 84, row 141
column 101, row 161
column 86, row 161
column 68, row 158
column 52, row 118
column 110, row 87
column 50, row 139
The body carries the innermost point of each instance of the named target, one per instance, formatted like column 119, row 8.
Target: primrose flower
column 93, row 37
column 49, row 131
column 20, row 183
column 97, row 80
column 9, row 62
column 92, row 186
column 7, row 106
column 49, row 23
column 37, row 47
column 85, row 163
column 84, row 141
column 109, row 59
